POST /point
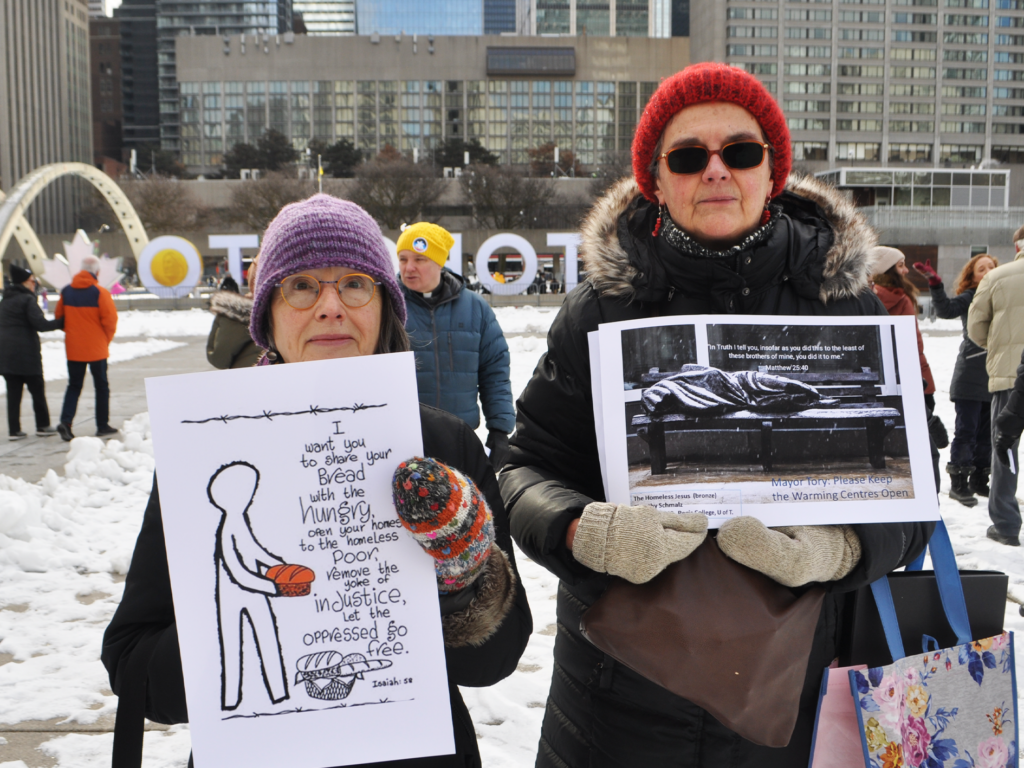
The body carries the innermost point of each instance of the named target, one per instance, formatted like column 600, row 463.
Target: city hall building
column 582, row 94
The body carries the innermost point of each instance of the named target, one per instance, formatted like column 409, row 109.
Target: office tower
column 600, row 18
column 140, row 94
column 105, row 58
column 44, row 99
column 898, row 81
column 96, row 8
column 226, row 18
column 327, row 17
column 499, row 17
column 420, row 17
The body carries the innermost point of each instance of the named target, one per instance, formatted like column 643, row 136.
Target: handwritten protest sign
column 794, row 420
column 297, row 593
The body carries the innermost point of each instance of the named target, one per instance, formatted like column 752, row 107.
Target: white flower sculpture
column 59, row 270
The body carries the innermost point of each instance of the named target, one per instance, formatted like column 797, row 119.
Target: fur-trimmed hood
column 846, row 272
column 232, row 305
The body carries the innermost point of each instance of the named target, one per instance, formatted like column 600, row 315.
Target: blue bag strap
column 947, row 576
column 918, row 564
column 887, row 611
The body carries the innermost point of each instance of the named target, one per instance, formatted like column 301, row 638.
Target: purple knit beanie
column 322, row 231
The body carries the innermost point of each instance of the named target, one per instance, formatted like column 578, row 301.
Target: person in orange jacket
column 90, row 320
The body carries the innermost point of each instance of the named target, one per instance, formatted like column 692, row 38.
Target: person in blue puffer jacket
column 460, row 350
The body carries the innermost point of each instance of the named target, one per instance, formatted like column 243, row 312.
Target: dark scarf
column 735, row 277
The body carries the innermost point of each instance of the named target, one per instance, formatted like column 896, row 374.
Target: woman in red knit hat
column 709, row 223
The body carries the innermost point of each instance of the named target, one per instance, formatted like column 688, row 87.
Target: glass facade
column 968, row 188
column 499, row 16
column 420, row 17
column 916, row 81
column 602, row 18
column 327, row 17
column 593, row 119
column 205, row 17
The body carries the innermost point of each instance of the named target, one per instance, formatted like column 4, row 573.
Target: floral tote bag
column 943, row 708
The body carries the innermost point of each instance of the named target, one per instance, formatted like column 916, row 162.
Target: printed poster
column 794, row 420
column 307, row 616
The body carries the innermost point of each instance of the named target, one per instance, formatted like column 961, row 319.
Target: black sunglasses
column 740, row 156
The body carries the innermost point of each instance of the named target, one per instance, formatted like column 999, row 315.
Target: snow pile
column 134, row 323
column 65, row 545
column 525, row 319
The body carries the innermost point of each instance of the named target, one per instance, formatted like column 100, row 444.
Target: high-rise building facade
column 105, row 58
column 511, row 94
column 140, row 85
column 599, row 18
column 499, row 17
column 420, row 17
column 934, row 82
column 227, row 18
column 327, row 17
column 96, row 8
column 44, row 98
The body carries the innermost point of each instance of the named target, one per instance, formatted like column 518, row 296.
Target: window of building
column 751, row 50
column 902, row 108
column 965, row 74
column 911, row 126
column 808, row 51
column 964, row 91
column 966, row 21
column 953, row 55
column 915, row 18
column 753, row 13
column 859, row 106
column 1009, row 155
column 803, row 87
column 858, row 125
column 916, row 73
column 631, row 18
column 801, row 14
column 963, row 109
column 957, row 127
column 959, row 153
column 1009, row 21
column 913, row 54
column 858, row 150
column 862, row 17
column 553, row 17
column 850, row 70
column 1008, row 93
column 800, row 105
column 807, row 124
column 1008, row 128
column 966, row 3
column 910, row 153
column 1009, row 74
column 752, row 32
column 593, row 18
column 1008, row 39
column 761, row 69
column 862, row 34
column 810, row 150
column 811, row 33
column 861, row 53
column 901, row 89
column 627, row 114
column 1009, row 5
column 1005, row 110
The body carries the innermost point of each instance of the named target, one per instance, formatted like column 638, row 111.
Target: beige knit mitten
column 793, row 555
column 636, row 543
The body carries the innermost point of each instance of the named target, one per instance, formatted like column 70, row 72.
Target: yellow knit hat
column 428, row 239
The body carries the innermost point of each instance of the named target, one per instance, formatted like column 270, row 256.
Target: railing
column 917, row 217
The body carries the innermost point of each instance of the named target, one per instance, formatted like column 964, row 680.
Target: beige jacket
column 996, row 322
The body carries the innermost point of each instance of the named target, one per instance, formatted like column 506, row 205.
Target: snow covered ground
column 66, row 542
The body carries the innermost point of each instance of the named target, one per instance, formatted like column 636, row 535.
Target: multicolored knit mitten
column 447, row 516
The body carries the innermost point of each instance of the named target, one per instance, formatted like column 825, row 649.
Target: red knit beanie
column 709, row 81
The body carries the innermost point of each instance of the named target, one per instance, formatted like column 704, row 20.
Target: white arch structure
column 12, row 209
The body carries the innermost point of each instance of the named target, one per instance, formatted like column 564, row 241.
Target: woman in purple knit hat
column 325, row 288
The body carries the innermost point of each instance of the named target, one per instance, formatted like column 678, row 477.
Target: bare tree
column 256, row 203
column 502, row 198
column 164, row 205
column 542, row 161
column 614, row 166
column 395, row 191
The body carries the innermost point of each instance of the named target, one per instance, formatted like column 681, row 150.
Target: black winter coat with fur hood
column 814, row 262
column 486, row 626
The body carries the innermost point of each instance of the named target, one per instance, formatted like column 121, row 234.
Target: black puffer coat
column 970, row 379
column 489, row 646
column 599, row 713
column 21, row 321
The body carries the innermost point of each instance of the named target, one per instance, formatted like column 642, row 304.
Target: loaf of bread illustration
column 291, row 580
column 329, row 675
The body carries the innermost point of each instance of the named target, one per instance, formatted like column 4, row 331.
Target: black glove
column 1002, row 447
column 497, row 444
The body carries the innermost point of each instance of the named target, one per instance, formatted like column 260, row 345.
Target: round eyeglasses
column 740, row 156
column 303, row 291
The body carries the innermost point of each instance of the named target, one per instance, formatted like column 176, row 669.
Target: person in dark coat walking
column 460, row 349
column 315, row 303
column 970, row 455
column 21, row 357
column 701, row 228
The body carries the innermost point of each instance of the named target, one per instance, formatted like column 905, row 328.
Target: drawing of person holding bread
column 325, row 288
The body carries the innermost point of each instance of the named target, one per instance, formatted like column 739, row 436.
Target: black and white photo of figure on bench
column 774, row 404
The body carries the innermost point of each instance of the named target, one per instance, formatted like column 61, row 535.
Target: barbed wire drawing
column 271, row 415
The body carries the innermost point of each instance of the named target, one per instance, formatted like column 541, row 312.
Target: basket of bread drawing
column 330, row 676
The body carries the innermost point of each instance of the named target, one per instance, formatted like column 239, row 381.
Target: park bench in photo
column 857, row 409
